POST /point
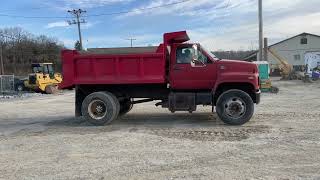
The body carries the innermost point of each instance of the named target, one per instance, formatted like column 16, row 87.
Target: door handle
column 178, row 68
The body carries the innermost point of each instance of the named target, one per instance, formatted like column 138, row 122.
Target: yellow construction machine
column 43, row 78
column 286, row 69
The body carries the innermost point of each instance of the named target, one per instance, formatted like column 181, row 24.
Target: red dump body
column 152, row 65
column 95, row 68
column 118, row 65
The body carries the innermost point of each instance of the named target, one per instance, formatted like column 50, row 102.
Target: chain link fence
column 6, row 84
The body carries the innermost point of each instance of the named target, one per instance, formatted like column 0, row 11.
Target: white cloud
column 245, row 36
column 57, row 24
column 89, row 24
column 87, row 4
column 69, row 43
column 65, row 24
column 233, row 27
column 65, row 5
column 294, row 25
column 283, row 19
column 121, row 40
column 184, row 8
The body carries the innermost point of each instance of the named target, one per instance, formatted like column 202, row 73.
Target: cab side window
column 184, row 55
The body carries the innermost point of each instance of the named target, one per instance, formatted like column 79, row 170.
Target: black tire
column 274, row 90
column 125, row 107
column 235, row 107
column 51, row 89
column 100, row 108
column 20, row 87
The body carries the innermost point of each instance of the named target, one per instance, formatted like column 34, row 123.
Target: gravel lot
column 41, row 139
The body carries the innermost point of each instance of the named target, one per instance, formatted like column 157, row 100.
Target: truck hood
column 237, row 66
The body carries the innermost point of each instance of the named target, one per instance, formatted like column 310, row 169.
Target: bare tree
column 21, row 48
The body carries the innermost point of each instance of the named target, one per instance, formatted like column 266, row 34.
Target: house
column 294, row 50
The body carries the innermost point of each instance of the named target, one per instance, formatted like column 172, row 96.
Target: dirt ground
column 41, row 139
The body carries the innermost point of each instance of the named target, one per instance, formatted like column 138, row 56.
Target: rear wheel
column 235, row 107
column 125, row 107
column 100, row 108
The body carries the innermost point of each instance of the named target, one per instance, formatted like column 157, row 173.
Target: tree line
column 19, row 49
column 237, row 55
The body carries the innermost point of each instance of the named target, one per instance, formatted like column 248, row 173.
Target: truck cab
column 192, row 68
column 177, row 74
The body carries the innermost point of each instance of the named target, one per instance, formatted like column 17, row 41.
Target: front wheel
column 235, row 107
column 100, row 108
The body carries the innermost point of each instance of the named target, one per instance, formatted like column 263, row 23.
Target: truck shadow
column 169, row 119
column 199, row 127
column 150, row 120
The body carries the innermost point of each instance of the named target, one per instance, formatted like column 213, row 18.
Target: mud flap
column 78, row 103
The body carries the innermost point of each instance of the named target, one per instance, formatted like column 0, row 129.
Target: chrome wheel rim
column 97, row 109
column 235, row 108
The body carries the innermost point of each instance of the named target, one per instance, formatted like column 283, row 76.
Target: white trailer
column 312, row 60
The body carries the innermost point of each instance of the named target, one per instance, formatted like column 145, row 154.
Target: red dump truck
column 177, row 74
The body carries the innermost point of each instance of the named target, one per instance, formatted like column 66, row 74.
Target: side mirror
column 196, row 52
column 195, row 62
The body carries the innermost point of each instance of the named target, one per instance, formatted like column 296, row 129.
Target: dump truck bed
column 113, row 66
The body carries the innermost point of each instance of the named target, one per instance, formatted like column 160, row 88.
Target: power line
column 43, row 5
column 33, row 17
column 138, row 10
column 14, row 10
column 95, row 15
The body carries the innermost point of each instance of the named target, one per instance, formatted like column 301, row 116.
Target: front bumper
column 258, row 96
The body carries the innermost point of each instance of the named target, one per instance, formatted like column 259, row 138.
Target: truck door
column 185, row 77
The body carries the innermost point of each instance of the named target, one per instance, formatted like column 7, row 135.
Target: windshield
column 209, row 53
column 37, row 69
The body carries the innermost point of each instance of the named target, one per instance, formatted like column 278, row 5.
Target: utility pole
column 260, row 31
column 77, row 14
column 131, row 41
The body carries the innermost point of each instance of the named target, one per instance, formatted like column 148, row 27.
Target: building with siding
column 293, row 50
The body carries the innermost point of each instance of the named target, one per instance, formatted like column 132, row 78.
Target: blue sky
column 217, row 24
